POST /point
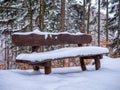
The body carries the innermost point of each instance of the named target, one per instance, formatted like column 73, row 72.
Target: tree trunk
column 88, row 17
column 98, row 22
column 31, row 16
column 118, row 41
column 62, row 15
column 42, row 12
column 107, row 21
column 82, row 28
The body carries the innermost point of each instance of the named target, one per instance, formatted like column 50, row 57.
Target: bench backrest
column 50, row 39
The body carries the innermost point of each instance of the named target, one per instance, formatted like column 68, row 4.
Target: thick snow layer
column 36, row 31
column 71, row 78
column 63, row 52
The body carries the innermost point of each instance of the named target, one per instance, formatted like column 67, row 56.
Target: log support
column 47, row 67
column 97, row 63
column 35, row 68
column 83, row 67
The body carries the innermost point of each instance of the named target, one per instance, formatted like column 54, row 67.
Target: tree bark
column 31, row 15
column 82, row 28
column 98, row 22
column 62, row 15
column 42, row 12
column 118, row 41
column 88, row 17
column 107, row 21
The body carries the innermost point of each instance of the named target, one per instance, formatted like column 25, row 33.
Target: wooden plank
column 39, row 40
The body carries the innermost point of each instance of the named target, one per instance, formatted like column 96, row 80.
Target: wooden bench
column 37, row 38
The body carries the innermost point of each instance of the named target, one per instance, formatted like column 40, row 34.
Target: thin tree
column 31, row 15
column 82, row 28
column 42, row 12
column 106, row 20
column 62, row 15
column 98, row 22
column 88, row 16
column 118, row 41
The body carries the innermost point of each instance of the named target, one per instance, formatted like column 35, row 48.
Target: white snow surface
column 67, row 78
column 37, row 31
column 63, row 52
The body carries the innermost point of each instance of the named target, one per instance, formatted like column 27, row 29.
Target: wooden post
column 34, row 49
column 35, row 67
column 47, row 67
column 97, row 62
column 83, row 67
column 82, row 63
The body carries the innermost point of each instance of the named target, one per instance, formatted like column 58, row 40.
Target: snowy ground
column 107, row 78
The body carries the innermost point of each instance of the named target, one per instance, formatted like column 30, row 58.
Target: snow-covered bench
column 37, row 38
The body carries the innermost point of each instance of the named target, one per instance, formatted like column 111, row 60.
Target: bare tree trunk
column 62, row 15
column 98, row 22
column 88, row 17
column 118, row 41
column 31, row 16
column 107, row 21
column 42, row 12
column 82, row 28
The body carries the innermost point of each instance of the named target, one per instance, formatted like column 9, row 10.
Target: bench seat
column 62, row 53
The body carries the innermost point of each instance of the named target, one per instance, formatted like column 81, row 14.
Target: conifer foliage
column 60, row 15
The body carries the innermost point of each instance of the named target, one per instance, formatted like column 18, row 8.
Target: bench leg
column 97, row 63
column 83, row 66
column 47, row 67
column 36, row 68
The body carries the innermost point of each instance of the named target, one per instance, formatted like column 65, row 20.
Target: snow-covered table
column 37, row 38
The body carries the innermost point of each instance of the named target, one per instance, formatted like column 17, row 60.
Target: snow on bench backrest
column 37, row 38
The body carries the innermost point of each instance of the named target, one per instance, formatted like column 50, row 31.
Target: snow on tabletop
column 63, row 52
column 36, row 31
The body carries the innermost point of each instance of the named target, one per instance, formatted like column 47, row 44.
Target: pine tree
column 114, row 26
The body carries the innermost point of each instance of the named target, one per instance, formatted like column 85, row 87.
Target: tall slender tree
column 62, row 14
column 82, row 29
column 31, row 15
column 88, row 19
column 42, row 12
column 118, row 41
column 98, row 22
column 106, row 20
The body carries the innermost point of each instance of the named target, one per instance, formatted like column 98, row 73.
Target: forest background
column 100, row 18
